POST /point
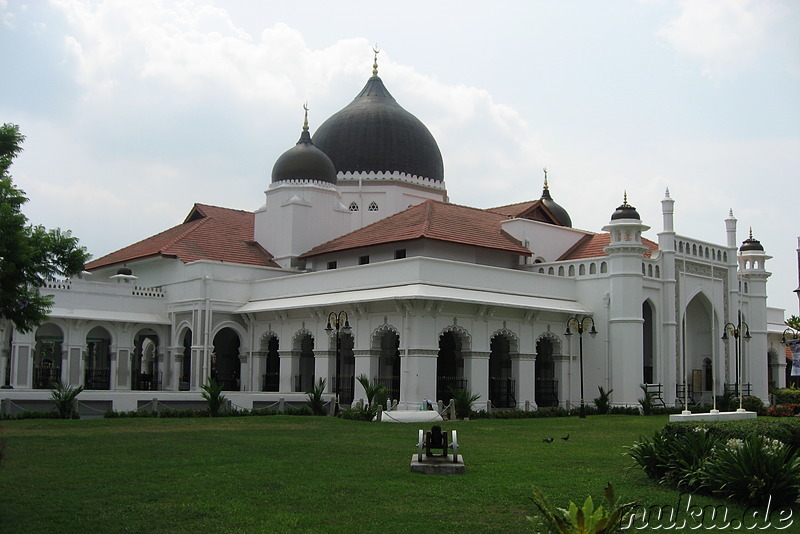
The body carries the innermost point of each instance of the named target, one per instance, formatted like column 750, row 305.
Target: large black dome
column 374, row 133
column 304, row 161
column 559, row 212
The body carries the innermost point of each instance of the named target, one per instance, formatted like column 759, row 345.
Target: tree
column 793, row 322
column 29, row 255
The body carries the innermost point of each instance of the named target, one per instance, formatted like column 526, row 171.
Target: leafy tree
column 793, row 322
column 29, row 255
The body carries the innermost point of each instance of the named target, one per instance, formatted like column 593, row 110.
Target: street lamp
column 742, row 330
column 795, row 335
column 338, row 322
column 581, row 322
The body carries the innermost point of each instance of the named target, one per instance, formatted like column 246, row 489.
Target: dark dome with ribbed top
column 751, row 244
column 559, row 212
column 374, row 133
column 625, row 211
column 304, row 162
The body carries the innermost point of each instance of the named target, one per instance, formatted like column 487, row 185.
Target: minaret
column 753, row 274
column 625, row 252
column 665, row 356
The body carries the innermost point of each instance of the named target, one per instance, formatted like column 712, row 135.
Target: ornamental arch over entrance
column 454, row 342
column 503, row 346
column 225, row 363
column 548, row 346
column 97, row 357
column 47, row 356
column 386, row 344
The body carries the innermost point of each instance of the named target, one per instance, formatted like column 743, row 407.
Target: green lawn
column 306, row 474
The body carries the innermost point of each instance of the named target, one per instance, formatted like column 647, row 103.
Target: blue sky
column 133, row 111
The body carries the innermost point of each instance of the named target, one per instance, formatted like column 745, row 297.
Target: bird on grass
column 548, row 440
column 565, row 438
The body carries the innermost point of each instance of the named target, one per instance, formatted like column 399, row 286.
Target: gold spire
column 545, row 179
column 751, row 232
column 625, row 197
column 375, row 60
column 305, row 119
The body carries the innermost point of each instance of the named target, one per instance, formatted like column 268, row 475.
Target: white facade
column 427, row 314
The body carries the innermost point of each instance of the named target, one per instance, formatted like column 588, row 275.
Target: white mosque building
column 356, row 235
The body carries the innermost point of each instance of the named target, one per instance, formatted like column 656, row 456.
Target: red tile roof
column 532, row 209
column 432, row 220
column 592, row 245
column 208, row 233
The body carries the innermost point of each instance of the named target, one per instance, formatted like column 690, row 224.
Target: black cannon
column 436, row 440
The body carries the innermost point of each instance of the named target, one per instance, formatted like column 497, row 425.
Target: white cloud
column 726, row 36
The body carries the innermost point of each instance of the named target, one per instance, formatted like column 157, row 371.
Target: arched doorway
column 98, row 359
column 303, row 344
column 388, row 346
column 648, row 374
column 698, row 346
column 225, row 363
column 545, row 372
column 272, row 363
column 344, row 378
column 185, row 378
column 450, row 365
column 502, row 386
column 47, row 356
column 145, row 374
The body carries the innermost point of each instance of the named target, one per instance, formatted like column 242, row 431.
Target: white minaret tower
column 625, row 253
column 666, row 357
column 753, row 274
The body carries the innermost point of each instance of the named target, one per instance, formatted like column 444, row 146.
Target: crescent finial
column 305, row 119
column 545, row 178
column 377, row 51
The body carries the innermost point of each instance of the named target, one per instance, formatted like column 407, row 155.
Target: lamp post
column 794, row 336
column 337, row 322
column 739, row 332
column 580, row 323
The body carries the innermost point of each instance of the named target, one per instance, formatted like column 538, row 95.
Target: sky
column 134, row 111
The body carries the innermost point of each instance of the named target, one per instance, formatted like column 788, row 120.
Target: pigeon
column 548, row 440
column 565, row 438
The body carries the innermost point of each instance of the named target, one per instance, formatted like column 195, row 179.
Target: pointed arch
column 548, row 345
column 385, row 343
column 648, row 342
column 269, row 346
column 454, row 341
column 504, row 347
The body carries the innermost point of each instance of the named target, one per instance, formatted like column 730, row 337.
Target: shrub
column 785, row 430
column 603, row 402
column 463, row 400
column 65, row 397
column 754, row 404
column 359, row 413
column 754, row 470
column 647, row 400
column 586, row 519
column 212, row 393
column 784, row 410
column 315, row 400
column 786, row 396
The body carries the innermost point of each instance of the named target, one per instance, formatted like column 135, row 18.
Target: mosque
column 358, row 264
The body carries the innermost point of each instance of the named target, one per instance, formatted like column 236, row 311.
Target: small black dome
column 125, row 271
column 751, row 244
column 374, row 133
column 559, row 212
column 625, row 211
column 304, row 161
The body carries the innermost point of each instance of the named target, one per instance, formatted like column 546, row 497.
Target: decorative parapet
column 69, row 284
column 318, row 183
column 694, row 248
column 394, row 176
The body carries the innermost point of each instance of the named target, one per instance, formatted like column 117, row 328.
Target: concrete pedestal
column 712, row 416
column 438, row 465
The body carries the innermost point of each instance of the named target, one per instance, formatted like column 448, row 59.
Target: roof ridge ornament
column 376, row 50
column 545, row 179
column 305, row 118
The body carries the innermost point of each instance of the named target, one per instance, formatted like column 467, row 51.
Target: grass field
column 306, row 474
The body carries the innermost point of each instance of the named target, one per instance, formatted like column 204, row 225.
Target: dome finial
column 625, row 198
column 375, row 60
column 305, row 118
column 545, row 179
column 751, row 232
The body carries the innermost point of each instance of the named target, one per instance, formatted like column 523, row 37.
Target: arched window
column 353, row 206
column 550, row 271
column 561, row 270
column 373, row 206
column 571, row 270
column 582, row 270
column 603, row 267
